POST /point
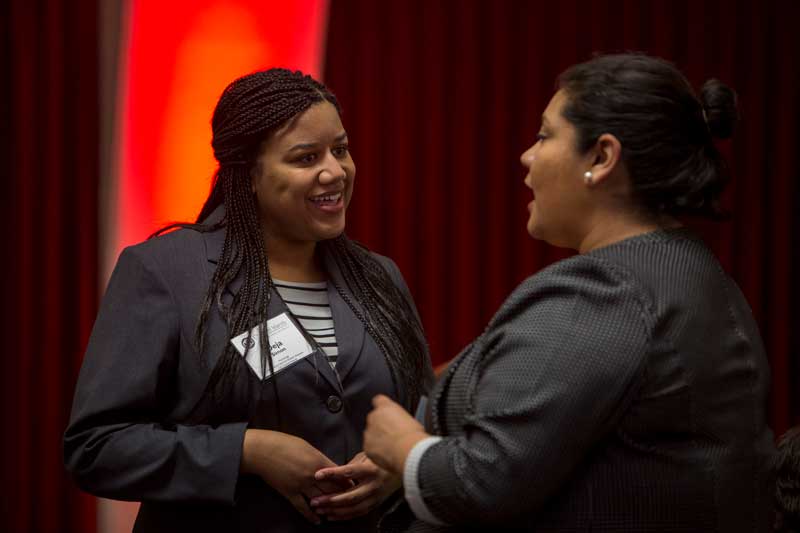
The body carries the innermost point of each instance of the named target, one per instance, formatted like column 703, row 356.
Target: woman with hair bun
column 624, row 388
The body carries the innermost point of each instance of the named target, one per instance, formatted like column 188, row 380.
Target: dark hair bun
column 720, row 106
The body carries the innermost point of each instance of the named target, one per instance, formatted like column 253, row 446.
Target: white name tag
column 287, row 345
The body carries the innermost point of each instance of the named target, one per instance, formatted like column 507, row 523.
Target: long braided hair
column 249, row 110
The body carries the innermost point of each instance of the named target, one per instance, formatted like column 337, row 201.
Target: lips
column 326, row 199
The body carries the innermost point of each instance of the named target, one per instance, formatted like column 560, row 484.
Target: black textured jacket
column 622, row 390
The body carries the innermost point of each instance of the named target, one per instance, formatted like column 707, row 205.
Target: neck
column 293, row 260
column 609, row 228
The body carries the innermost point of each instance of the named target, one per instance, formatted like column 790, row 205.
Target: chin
column 541, row 233
column 533, row 229
column 330, row 233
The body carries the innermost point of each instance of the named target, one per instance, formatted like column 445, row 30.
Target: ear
column 606, row 156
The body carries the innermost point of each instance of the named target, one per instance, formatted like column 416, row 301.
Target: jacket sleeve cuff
column 220, row 474
column 413, row 494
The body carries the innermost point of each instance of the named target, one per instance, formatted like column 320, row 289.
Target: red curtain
column 441, row 98
column 49, row 282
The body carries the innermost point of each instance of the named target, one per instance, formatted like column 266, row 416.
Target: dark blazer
column 130, row 437
column 623, row 390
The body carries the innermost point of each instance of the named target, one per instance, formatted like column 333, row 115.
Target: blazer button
column 334, row 404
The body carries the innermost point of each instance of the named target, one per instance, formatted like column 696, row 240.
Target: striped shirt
column 308, row 303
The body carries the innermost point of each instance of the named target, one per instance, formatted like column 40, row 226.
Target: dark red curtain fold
column 441, row 98
column 50, row 288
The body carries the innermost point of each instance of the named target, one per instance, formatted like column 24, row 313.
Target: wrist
column 394, row 482
column 256, row 448
column 248, row 451
column 403, row 448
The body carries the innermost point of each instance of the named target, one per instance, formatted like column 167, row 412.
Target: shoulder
column 388, row 264
column 578, row 329
column 394, row 272
column 180, row 240
column 180, row 252
column 580, row 301
column 587, row 277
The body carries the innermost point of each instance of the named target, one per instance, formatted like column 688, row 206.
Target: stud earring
column 587, row 177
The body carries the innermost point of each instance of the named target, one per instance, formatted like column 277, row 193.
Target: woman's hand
column 372, row 486
column 390, row 434
column 288, row 464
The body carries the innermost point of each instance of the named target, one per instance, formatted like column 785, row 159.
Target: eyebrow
column 307, row 146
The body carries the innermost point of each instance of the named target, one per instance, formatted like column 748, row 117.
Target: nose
column 527, row 157
column 332, row 170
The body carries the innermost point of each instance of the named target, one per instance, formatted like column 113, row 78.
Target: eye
column 306, row 159
column 340, row 151
column 541, row 137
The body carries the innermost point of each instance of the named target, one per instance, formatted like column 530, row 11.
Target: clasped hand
column 310, row 480
column 370, row 486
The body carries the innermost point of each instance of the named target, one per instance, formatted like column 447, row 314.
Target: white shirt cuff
column 411, row 481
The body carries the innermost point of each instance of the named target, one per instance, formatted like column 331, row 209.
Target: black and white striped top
column 308, row 303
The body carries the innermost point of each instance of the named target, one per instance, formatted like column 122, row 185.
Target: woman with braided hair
column 231, row 367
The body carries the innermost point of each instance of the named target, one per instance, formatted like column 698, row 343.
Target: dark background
column 440, row 99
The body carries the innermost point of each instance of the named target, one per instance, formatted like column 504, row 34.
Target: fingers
column 340, row 514
column 333, row 486
column 381, row 401
column 332, row 473
column 302, row 507
column 353, row 471
column 355, row 502
column 360, row 457
column 347, row 498
column 313, row 492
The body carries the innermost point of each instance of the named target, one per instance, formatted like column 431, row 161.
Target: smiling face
column 555, row 175
column 304, row 179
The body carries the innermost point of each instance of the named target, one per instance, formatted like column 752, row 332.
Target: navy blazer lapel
column 349, row 329
column 214, row 243
column 318, row 360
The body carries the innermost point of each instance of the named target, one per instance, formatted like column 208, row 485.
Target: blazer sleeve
column 555, row 370
column 117, row 444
